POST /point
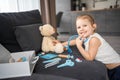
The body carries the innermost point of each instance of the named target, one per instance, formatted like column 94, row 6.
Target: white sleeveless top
column 106, row 53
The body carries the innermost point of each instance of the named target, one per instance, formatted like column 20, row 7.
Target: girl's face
column 85, row 28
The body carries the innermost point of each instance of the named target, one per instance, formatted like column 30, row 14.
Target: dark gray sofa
column 8, row 24
column 19, row 32
column 107, row 21
column 108, row 25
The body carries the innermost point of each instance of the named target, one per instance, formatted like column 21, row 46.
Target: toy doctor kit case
column 11, row 66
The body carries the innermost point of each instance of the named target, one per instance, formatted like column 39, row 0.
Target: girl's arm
column 72, row 42
column 92, row 50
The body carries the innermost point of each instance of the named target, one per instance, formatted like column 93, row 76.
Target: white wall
column 99, row 5
column 26, row 5
column 63, row 5
column 18, row 5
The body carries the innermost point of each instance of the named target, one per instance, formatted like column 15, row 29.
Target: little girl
column 95, row 46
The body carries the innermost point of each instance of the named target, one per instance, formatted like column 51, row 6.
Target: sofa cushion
column 8, row 21
column 25, row 18
column 29, row 37
column 84, row 70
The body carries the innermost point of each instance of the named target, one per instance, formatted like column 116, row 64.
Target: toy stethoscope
column 68, row 46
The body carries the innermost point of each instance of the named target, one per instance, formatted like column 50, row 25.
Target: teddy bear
column 48, row 43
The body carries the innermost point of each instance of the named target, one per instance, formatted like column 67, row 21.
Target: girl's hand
column 55, row 42
column 79, row 41
column 82, row 35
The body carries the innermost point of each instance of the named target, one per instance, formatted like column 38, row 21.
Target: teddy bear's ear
column 40, row 28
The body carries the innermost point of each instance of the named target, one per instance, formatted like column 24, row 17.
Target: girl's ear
column 94, row 26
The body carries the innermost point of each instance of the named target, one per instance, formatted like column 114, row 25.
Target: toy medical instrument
column 22, row 59
column 52, row 62
column 78, row 60
column 67, row 63
column 66, row 56
column 75, row 36
column 34, row 59
column 68, row 46
column 47, row 56
column 50, row 56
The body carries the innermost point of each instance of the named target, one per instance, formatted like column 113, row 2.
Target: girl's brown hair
column 86, row 16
